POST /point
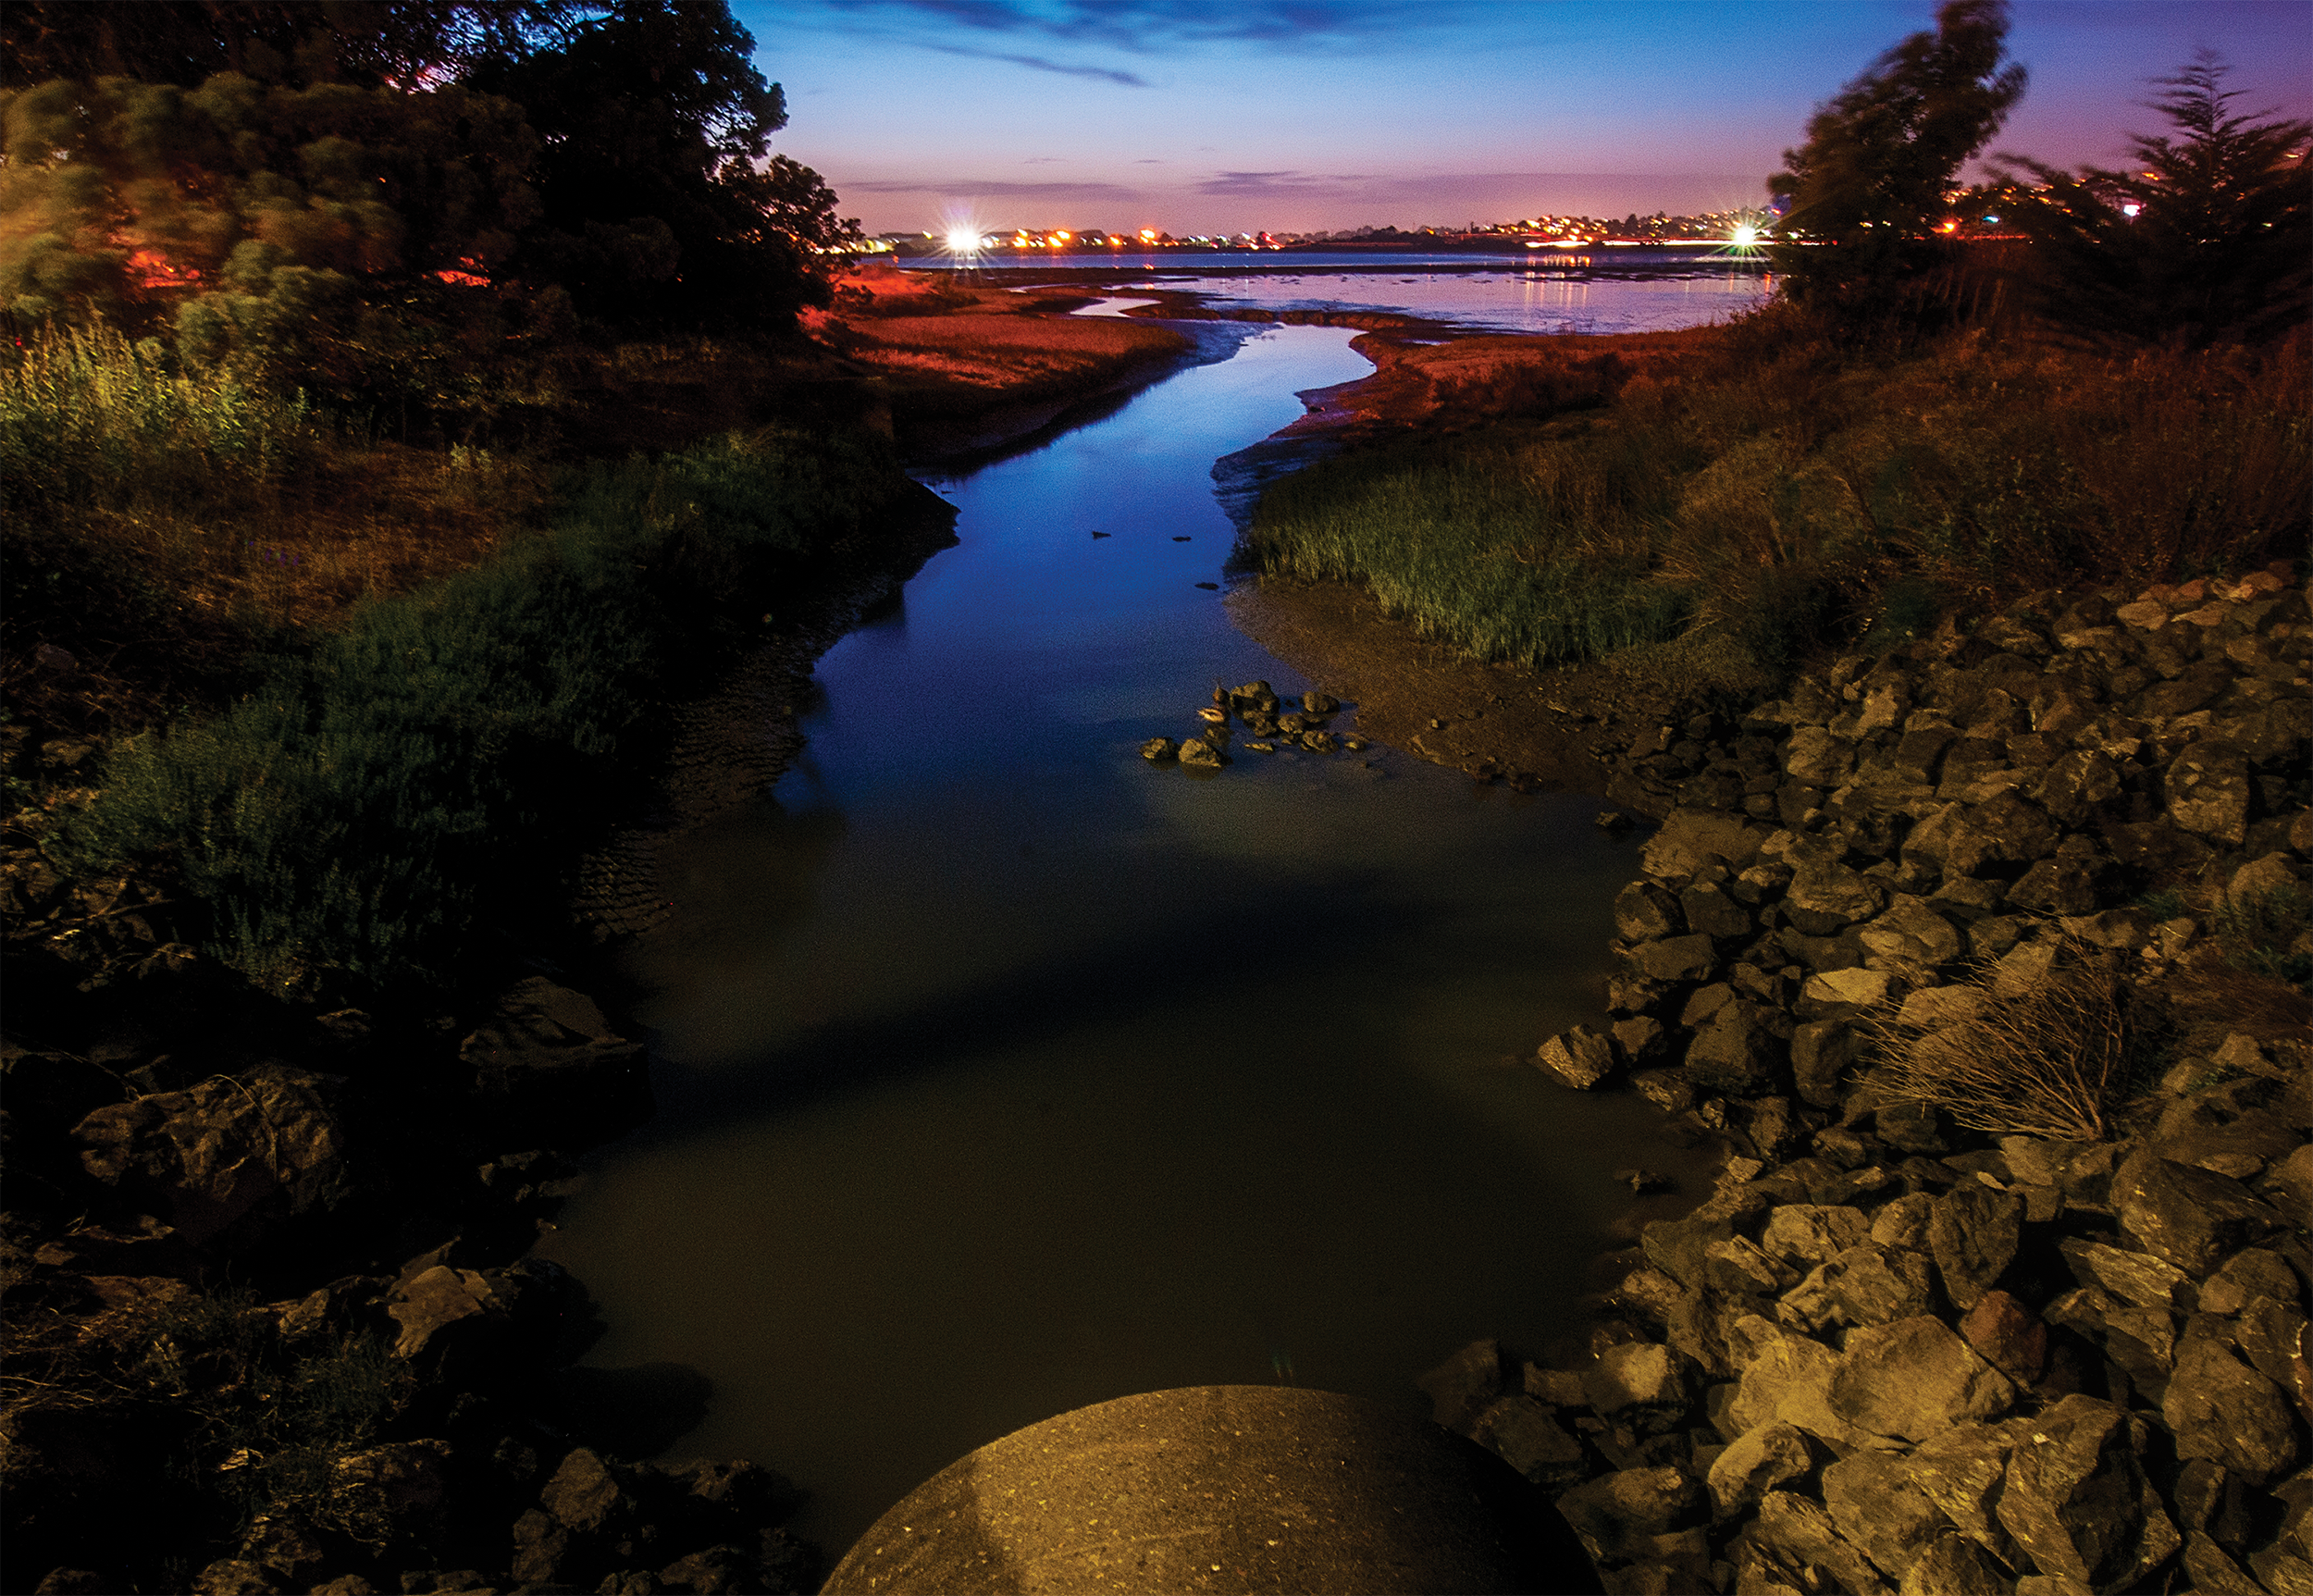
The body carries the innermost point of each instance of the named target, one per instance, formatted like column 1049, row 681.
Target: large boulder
column 2209, row 789
column 1961, row 839
column 1465, row 1385
column 1973, row 1231
column 1759, row 1460
column 1580, row 1058
column 1875, row 1505
column 1826, row 898
column 1964, row 1472
column 1914, row 1379
column 2193, row 1219
column 2222, row 1409
column 227, row 1159
column 1644, row 1384
column 1863, row 1285
column 551, row 1071
column 1910, row 932
column 1802, row 1543
column 1736, row 1054
column 2077, row 1501
column 1618, row 1514
column 462, row 1322
column 1644, row 913
column 1525, row 1434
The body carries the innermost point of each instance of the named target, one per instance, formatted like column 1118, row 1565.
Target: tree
column 2208, row 238
column 1863, row 195
column 662, row 207
column 369, row 44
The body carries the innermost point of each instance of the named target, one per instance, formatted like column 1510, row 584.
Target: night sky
column 1217, row 116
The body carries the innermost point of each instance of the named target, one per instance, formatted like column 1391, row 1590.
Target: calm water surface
column 1001, row 1073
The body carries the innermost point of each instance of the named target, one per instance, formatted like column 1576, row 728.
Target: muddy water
column 1001, row 1072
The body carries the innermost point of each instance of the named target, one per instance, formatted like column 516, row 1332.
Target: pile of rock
column 1895, row 1347
column 1258, row 708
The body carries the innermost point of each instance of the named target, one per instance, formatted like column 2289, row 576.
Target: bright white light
column 963, row 241
column 1744, row 236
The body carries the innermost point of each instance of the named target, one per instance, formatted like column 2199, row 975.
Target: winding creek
column 1001, row 1073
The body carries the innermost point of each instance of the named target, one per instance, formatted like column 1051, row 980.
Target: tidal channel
column 1001, row 1072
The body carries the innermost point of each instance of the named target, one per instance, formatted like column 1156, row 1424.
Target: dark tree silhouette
column 2206, row 238
column 1863, row 193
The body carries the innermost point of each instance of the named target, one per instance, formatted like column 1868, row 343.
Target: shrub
column 2042, row 1057
column 355, row 808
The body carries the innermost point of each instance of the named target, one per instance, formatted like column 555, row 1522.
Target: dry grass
column 2044, row 1058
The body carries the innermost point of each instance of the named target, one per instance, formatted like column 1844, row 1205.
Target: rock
column 2220, row 1409
column 2138, row 1277
column 400, row 1486
column 1756, row 1462
column 1911, row 932
column 2212, row 1572
column 1823, row 1051
column 547, row 1063
column 1687, row 837
column 1736, row 1055
column 2077, row 1501
column 1737, row 1266
column 1675, row 959
column 2009, row 1335
column 239, row 1153
column 1964, row 1472
column 463, row 1321
column 1801, row 1538
column 1914, row 1379
column 1526, row 1435
column 1826, row 898
column 231, row 1577
column 1617, row 1514
column 1580, row 1058
column 1711, row 913
column 1938, row 1008
column 1644, row 1384
column 1645, row 912
column 1198, row 754
column 1818, row 759
column 2246, row 1276
column 1956, row 1565
column 2142, row 1340
column 1974, row 1232
column 1959, row 839
column 1864, row 989
column 1680, row 1247
column 717, row 1569
column 1318, row 742
column 1875, row 1505
column 2193, row 1219
column 1903, row 1222
column 2059, row 886
column 2209, row 791
column 1465, row 1385
column 1864, row 1285
column 1788, row 1378
column 1806, row 1234
column 1639, row 1040
column 1319, row 703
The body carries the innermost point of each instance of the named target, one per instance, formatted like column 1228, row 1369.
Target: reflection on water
column 1001, row 1073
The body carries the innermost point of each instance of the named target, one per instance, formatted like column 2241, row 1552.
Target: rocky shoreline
column 1986, row 960
column 261, row 1254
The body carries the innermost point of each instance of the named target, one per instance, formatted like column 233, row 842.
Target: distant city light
column 963, row 241
column 1743, row 237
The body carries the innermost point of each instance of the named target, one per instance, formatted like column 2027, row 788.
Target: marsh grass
column 358, row 805
column 1792, row 493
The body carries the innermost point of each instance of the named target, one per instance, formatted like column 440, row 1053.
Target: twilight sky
column 1217, row 116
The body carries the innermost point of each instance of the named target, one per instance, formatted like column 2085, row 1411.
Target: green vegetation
column 2269, row 935
column 354, row 809
column 2207, row 238
column 1864, row 193
column 1789, row 494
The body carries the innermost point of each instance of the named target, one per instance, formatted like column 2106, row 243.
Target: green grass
column 87, row 417
column 1792, row 494
column 358, row 809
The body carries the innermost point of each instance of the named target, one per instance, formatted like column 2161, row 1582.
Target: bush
column 2044, row 1058
column 449, row 746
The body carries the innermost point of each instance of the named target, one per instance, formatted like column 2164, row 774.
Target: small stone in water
column 1262, row 747
column 1356, row 745
column 1104, row 534
column 1319, row 703
column 1210, row 586
column 1197, row 751
column 1182, row 539
column 1611, row 820
column 1436, row 725
column 1641, row 1182
column 1317, row 742
column 1160, row 748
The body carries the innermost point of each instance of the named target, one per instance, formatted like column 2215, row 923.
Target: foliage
column 369, row 44
column 299, row 236
column 662, row 207
column 87, row 417
column 355, row 808
column 2270, row 935
column 2207, row 238
column 1787, row 493
column 1862, row 194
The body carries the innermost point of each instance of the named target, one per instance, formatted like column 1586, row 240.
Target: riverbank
column 1988, row 964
